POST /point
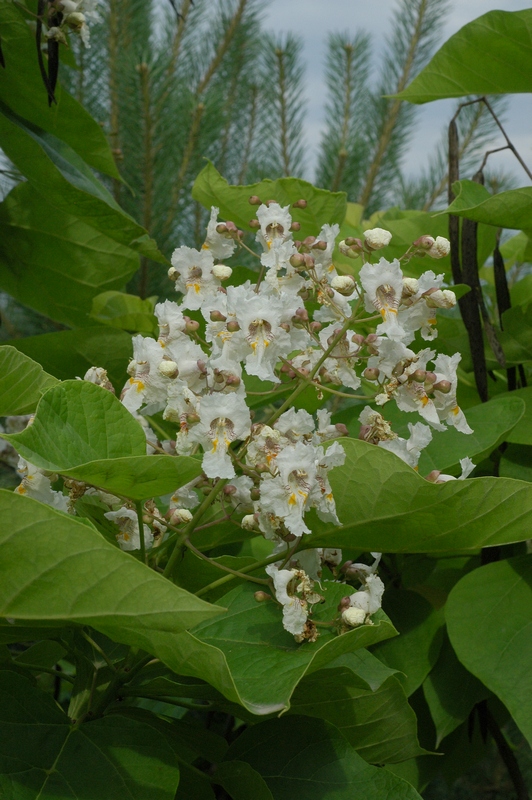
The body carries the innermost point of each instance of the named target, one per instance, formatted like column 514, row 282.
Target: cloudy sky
column 314, row 19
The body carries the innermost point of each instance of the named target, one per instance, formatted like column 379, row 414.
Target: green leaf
column 125, row 311
column 138, row 477
column 491, row 422
column 385, row 505
column 77, row 422
column 415, row 651
column 490, row 55
column 241, row 781
column 509, row 209
column 379, row 724
column 451, row 692
column 69, row 354
column 22, row 89
column 488, row 617
column 516, row 338
column 23, row 382
column 56, row 263
column 43, row 755
column 313, row 760
column 57, row 569
column 210, row 189
column 251, row 659
column 65, row 182
column 516, row 462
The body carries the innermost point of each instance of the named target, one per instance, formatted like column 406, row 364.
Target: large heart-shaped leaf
column 77, row 422
column 125, row 311
column 42, row 754
column 490, row 55
column 69, row 354
column 57, row 264
column 22, row 89
column 311, row 759
column 57, row 568
column 65, row 182
column 509, row 209
column 138, row 477
column 489, row 615
column 451, row 692
column 379, row 724
column 23, row 382
column 385, row 505
column 211, row 189
column 251, row 660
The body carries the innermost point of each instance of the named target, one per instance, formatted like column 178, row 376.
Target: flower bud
column 433, row 476
column 191, row 326
column 286, row 326
column 424, row 242
column 249, row 522
column 297, row 260
column 221, row 228
column 418, row 376
column 320, row 245
column 254, row 200
column 430, row 377
column 222, row 272
column 441, row 298
column 231, row 227
column 233, row 326
column 173, row 274
column 261, row 596
column 218, row 376
column 255, row 494
column 344, row 603
column 217, row 316
column 443, row 386
column 377, row 238
column 371, row 338
column 354, row 617
column 344, row 284
column 440, row 248
column 180, row 516
column 309, row 261
column 254, row 224
column 350, row 252
column 201, row 366
column 342, row 429
column 232, row 380
column 371, row 373
column 229, row 489
column 315, row 327
column 357, row 338
column 410, row 287
column 75, row 20
column 309, row 241
column 168, row 369
column 295, row 226
column 302, row 313
column 300, row 204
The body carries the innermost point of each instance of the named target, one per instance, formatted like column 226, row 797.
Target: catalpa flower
column 221, row 245
column 147, row 384
column 288, row 584
column 128, row 537
column 224, row 418
column 195, row 278
column 275, row 223
column 409, row 450
column 383, row 284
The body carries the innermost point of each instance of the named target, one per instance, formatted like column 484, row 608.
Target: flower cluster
column 73, row 15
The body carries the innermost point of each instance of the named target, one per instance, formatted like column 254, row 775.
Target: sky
column 313, row 20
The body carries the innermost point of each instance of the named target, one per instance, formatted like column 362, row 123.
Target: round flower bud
column 255, row 494
column 249, row 522
column 344, row 284
column 443, row 386
column 410, row 287
column 342, row 429
column 371, row 373
column 261, row 596
column 424, row 242
column 357, row 338
column 75, row 20
column 440, row 248
column 320, row 245
column 418, row 376
column 354, row 617
column 299, row 204
column 173, row 274
column 344, row 603
column 233, row 326
column 297, row 260
column 254, row 200
column 168, row 369
column 191, row 326
column 430, row 377
column 315, row 327
column 295, row 226
column 377, row 238
column 254, row 224
column 221, row 227
column 217, row 316
column 222, row 272
column 180, row 516
column 441, row 298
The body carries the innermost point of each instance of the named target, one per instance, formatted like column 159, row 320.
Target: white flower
column 445, row 403
column 343, row 284
column 128, row 538
column 377, row 238
column 409, row 450
column 383, row 283
column 467, row 468
column 275, row 223
column 292, row 491
column 37, row 485
column 196, row 280
column 323, row 258
column 220, row 245
column 295, row 424
column 369, row 599
column 354, row 616
column 334, row 456
column 440, row 248
column 172, row 324
column 223, row 419
column 147, row 385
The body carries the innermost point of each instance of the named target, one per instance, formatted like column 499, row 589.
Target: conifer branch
column 185, row 161
column 342, row 150
column 148, row 163
column 280, row 56
column 114, row 118
column 250, row 136
column 394, row 107
column 222, row 47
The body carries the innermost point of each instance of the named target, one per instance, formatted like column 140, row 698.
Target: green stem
column 139, row 506
column 227, row 578
column 191, row 525
column 234, row 572
column 48, row 671
column 99, row 650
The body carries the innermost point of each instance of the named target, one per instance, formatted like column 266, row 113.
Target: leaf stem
column 140, row 512
column 234, row 572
